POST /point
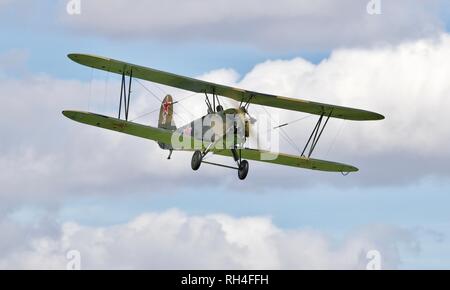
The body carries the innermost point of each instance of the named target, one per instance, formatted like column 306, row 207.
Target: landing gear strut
column 242, row 169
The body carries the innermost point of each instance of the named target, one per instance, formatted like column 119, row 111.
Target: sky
column 118, row 203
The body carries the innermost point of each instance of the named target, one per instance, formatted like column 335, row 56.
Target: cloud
column 286, row 25
column 175, row 240
column 46, row 157
column 407, row 83
column 44, row 160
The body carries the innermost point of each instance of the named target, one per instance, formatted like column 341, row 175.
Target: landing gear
column 196, row 160
column 198, row 156
column 243, row 169
column 243, row 165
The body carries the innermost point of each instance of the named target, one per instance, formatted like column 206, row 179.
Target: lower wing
column 291, row 160
column 165, row 136
column 130, row 128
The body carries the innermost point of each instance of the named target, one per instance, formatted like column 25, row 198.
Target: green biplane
column 228, row 139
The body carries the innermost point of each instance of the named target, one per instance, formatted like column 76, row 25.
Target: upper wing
column 239, row 95
column 291, row 160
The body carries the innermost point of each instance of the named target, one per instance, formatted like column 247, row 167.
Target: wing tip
column 68, row 114
column 71, row 114
column 74, row 56
column 367, row 116
column 74, row 115
column 81, row 58
column 353, row 169
column 378, row 117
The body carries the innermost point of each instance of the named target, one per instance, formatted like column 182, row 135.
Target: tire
column 243, row 169
column 196, row 160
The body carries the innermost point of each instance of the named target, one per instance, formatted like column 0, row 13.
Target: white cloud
column 407, row 83
column 45, row 156
column 285, row 25
column 175, row 240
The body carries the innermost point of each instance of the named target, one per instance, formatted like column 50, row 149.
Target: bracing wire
column 160, row 100
column 284, row 135
column 105, row 94
column 155, row 110
column 157, row 98
column 148, row 90
column 143, row 115
column 291, row 122
column 343, row 123
column 184, row 99
column 90, row 90
column 160, row 89
column 290, row 141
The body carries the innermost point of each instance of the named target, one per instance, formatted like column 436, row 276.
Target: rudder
column 166, row 118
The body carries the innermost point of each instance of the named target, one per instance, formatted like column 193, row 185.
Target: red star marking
column 166, row 106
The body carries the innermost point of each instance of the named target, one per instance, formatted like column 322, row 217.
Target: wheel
column 196, row 160
column 243, row 169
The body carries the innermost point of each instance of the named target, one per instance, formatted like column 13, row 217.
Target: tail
column 166, row 119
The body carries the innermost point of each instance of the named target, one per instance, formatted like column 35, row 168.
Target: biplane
column 235, row 121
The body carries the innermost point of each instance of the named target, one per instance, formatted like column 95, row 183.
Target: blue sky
column 48, row 50
column 43, row 36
